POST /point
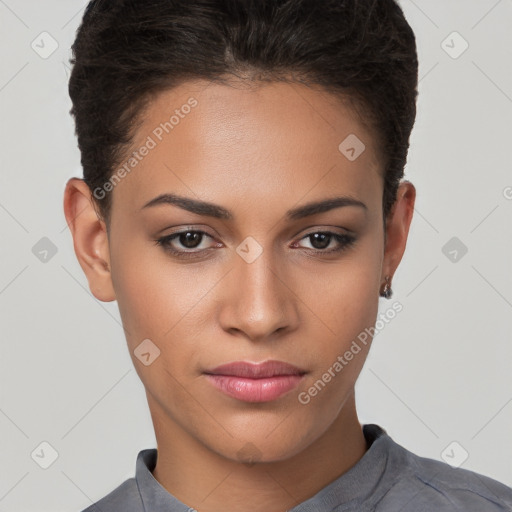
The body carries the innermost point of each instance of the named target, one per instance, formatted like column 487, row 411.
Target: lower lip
column 255, row 390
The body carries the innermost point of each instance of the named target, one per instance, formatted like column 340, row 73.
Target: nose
column 258, row 300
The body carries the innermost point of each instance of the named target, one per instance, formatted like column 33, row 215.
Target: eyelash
column 345, row 240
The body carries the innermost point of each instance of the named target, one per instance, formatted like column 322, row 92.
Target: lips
column 249, row 370
column 255, row 382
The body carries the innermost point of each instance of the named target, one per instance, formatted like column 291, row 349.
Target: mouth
column 250, row 370
column 255, row 382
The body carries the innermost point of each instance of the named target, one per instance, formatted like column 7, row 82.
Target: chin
column 260, row 448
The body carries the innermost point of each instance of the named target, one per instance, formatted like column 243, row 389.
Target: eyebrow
column 213, row 210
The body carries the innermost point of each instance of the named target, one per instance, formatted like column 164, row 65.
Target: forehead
column 221, row 142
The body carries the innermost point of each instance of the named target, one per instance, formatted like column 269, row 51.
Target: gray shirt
column 388, row 478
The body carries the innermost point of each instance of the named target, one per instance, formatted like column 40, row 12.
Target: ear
column 397, row 227
column 90, row 238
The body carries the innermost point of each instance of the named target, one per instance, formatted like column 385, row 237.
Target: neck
column 207, row 481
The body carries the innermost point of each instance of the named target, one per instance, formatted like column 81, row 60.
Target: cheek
column 139, row 303
column 345, row 304
column 341, row 351
column 344, row 296
column 153, row 294
column 354, row 307
column 154, row 302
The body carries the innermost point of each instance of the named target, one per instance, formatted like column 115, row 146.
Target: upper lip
column 256, row 370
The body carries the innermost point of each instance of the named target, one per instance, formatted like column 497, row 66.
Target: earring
column 387, row 292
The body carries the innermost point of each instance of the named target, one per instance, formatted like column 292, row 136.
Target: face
column 252, row 275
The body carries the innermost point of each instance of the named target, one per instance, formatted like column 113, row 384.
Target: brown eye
column 322, row 240
column 183, row 243
column 190, row 239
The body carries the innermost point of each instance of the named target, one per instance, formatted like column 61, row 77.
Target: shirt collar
column 356, row 484
column 153, row 495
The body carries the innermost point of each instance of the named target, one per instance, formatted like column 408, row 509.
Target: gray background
column 438, row 373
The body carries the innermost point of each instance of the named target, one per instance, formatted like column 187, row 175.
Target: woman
column 243, row 202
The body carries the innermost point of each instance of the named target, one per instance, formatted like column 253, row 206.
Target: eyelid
column 186, row 227
column 338, row 230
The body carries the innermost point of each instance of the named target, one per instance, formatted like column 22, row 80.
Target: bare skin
column 257, row 152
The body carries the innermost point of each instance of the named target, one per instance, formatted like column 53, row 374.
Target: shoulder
column 423, row 485
column 124, row 498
